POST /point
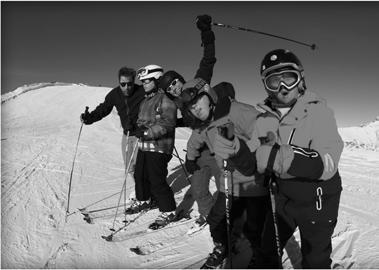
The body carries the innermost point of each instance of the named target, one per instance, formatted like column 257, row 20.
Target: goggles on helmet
column 287, row 78
column 144, row 71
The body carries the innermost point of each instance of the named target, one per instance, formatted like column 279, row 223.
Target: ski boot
column 162, row 220
column 217, row 258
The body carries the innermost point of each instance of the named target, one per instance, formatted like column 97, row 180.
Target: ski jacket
column 311, row 130
column 127, row 108
column 207, row 62
column 243, row 117
column 158, row 114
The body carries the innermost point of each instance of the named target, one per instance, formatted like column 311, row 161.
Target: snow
column 365, row 136
column 40, row 129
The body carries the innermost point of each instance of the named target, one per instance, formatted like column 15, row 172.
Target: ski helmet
column 149, row 72
column 195, row 88
column 168, row 77
column 280, row 58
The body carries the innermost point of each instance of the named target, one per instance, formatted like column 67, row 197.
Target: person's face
column 285, row 96
column 283, row 84
column 201, row 108
column 126, row 84
column 148, row 84
column 175, row 88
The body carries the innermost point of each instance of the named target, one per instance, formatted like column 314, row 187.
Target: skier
column 203, row 167
column 126, row 98
column 156, row 122
column 210, row 112
column 305, row 165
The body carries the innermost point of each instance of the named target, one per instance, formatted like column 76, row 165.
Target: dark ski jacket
column 158, row 114
column 243, row 116
column 207, row 63
column 127, row 107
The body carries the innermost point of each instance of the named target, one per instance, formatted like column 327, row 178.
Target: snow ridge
column 34, row 86
column 365, row 136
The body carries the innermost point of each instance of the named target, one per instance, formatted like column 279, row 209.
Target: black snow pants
column 316, row 227
column 150, row 179
column 257, row 209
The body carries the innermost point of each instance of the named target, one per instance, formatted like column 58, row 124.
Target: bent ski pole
column 312, row 46
column 72, row 169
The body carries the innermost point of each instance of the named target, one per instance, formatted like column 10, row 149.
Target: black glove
column 86, row 117
column 203, row 22
column 191, row 166
column 140, row 132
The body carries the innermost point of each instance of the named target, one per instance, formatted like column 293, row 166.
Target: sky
column 87, row 42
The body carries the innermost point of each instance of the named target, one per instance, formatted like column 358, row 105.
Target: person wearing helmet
column 301, row 156
column 204, row 166
column 126, row 97
column 156, row 133
column 213, row 113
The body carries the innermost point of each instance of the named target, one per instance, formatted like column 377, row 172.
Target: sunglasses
column 126, row 83
column 172, row 84
column 287, row 78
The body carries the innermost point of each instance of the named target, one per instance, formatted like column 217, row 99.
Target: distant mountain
column 28, row 87
column 363, row 137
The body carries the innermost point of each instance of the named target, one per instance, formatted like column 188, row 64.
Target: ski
column 109, row 238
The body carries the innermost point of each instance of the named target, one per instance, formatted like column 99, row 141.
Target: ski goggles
column 287, row 78
column 144, row 71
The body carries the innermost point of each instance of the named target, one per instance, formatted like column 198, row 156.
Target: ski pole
column 124, row 185
column 72, row 169
column 269, row 178
column 312, row 46
column 227, row 174
column 181, row 163
column 277, row 239
column 126, row 169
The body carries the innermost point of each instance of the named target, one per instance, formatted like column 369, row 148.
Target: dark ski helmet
column 280, row 58
column 168, row 77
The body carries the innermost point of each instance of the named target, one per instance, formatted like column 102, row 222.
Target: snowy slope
column 39, row 133
column 363, row 137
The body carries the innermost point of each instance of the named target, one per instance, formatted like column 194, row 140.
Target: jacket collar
column 298, row 111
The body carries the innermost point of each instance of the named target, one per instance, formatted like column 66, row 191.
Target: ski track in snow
column 41, row 129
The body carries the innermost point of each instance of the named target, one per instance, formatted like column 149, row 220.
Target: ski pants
column 200, row 181
column 150, row 177
column 127, row 146
column 316, row 228
column 257, row 210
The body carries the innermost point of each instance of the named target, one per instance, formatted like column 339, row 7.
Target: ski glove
column 225, row 148
column 203, row 22
column 141, row 132
column 283, row 158
column 191, row 166
column 86, row 118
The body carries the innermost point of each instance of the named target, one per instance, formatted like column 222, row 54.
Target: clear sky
column 87, row 42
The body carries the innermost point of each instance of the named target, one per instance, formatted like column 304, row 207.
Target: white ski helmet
column 150, row 72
